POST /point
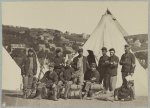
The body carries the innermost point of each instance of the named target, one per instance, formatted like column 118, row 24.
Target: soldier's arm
column 102, row 62
column 74, row 63
column 133, row 60
column 44, row 78
column 61, row 77
column 133, row 64
column 22, row 66
column 55, row 78
column 121, row 61
column 115, row 62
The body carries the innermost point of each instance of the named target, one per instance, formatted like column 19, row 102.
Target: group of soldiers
column 81, row 71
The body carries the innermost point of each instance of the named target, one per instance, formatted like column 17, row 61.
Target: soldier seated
column 93, row 79
column 125, row 92
column 66, row 78
column 47, row 86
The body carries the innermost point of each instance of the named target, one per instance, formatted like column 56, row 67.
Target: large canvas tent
column 109, row 33
column 11, row 73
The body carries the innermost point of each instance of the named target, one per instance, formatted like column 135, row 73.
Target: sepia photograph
column 75, row 54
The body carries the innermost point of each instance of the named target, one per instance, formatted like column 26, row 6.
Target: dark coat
column 102, row 65
column 128, row 63
column 124, row 93
column 85, row 63
column 92, row 74
column 58, row 61
column 66, row 75
column 50, row 79
column 114, row 66
column 25, row 66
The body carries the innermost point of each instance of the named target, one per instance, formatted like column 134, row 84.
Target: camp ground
column 106, row 34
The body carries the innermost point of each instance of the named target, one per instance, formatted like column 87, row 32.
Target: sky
column 77, row 16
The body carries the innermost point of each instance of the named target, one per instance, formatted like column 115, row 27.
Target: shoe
column 38, row 97
column 116, row 98
column 55, row 99
column 25, row 96
column 65, row 98
column 85, row 97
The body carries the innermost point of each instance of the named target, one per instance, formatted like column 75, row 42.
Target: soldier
column 66, row 78
column 48, row 84
column 103, row 69
column 113, row 66
column 93, row 79
column 28, row 72
column 80, row 64
column 128, row 64
column 58, row 61
column 125, row 92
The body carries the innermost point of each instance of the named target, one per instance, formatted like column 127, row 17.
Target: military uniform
column 128, row 65
column 124, row 92
column 58, row 64
column 80, row 64
column 103, row 70
column 113, row 66
column 28, row 70
column 93, row 79
column 46, row 86
column 66, row 78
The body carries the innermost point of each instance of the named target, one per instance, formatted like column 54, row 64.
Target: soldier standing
column 113, row 66
column 103, row 69
column 28, row 71
column 80, row 64
column 128, row 64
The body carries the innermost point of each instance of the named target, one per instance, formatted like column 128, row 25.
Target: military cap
column 58, row 50
column 112, row 49
column 80, row 50
column 127, row 45
column 104, row 48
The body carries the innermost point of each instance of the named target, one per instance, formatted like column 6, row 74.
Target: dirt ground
column 11, row 99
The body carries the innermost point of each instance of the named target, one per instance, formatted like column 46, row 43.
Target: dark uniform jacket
column 50, row 79
column 85, row 63
column 113, row 67
column 58, row 61
column 66, row 75
column 128, row 63
column 102, row 65
column 94, row 74
column 124, row 93
column 25, row 66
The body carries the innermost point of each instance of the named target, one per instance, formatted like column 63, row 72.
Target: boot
column 38, row 94
column 55, row 96
column 85, row 95
column 25, row 94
